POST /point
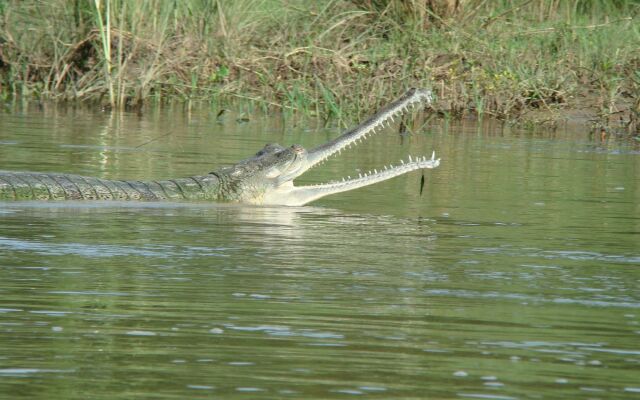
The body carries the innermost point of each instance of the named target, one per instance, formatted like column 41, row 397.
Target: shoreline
column 523, row 64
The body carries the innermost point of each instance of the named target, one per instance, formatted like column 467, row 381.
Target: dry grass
column 514, row 60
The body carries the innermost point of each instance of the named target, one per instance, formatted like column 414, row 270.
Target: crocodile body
column 265, row 178
column 49, row 186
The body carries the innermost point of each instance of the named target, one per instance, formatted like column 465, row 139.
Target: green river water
column 514, row 275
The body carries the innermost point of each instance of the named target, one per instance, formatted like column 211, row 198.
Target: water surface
column 514, row 275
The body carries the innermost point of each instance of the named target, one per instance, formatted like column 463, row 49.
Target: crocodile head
column 253, row 180
column 267, row 178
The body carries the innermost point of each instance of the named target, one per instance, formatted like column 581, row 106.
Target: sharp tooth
column 402, row 162
column 410, row 160
column 433, row 156
column 375, row 171
column 359, row 175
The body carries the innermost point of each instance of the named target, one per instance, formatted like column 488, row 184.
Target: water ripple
column 105, row 250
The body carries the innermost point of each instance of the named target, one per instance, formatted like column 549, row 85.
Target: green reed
column 335, row 58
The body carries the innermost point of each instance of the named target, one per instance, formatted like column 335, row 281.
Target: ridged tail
column 52, row 186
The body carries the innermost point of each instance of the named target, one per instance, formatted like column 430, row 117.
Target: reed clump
column 515, row 60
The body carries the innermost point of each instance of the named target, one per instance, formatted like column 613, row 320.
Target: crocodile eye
column 297, row 148
column 269, row 148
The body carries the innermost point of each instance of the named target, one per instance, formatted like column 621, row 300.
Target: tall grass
column 334, row 58
column 104, row 30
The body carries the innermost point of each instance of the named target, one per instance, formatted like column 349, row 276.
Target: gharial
column 266, row 178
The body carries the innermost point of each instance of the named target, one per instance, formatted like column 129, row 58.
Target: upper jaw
column 373, row 124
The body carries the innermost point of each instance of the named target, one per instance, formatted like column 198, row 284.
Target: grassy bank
column 533, row 60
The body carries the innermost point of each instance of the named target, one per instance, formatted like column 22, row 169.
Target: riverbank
column 536, row 61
